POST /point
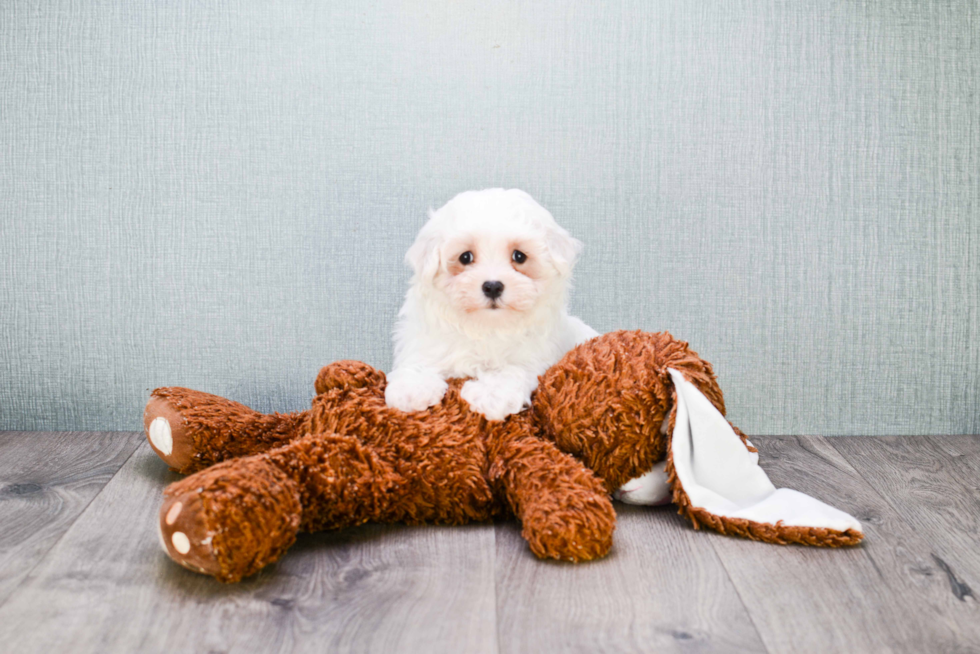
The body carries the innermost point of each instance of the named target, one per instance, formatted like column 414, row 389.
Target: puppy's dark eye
column 466, row 258
column 518, row 256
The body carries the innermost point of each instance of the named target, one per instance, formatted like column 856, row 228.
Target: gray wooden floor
column 81, row 570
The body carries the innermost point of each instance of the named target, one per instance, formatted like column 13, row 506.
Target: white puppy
column 487, row 301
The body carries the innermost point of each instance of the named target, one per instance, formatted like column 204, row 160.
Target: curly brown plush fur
column 350, row 459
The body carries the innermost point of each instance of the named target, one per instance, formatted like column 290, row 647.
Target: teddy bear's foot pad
column 232, row 519
column 167, row 432
column 184, row 534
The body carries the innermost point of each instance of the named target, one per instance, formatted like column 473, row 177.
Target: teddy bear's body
column 351, row 459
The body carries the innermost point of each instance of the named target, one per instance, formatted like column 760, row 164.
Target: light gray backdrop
column 219, row 194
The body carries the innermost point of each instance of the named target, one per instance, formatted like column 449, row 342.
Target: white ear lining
column 720, row 476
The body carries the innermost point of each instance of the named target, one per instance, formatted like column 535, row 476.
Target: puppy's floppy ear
column 564, row 249
column 423, row 256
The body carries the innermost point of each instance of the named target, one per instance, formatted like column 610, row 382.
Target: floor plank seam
column 496, row 607
column 738, row 593
column 17, row 588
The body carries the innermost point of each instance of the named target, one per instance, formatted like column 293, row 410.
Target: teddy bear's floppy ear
column 423, row 256
column 717, row 483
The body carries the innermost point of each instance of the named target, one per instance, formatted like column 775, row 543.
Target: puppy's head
column 493, row 257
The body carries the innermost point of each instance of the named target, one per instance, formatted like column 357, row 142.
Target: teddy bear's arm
column 564, row 508
column 349, row 374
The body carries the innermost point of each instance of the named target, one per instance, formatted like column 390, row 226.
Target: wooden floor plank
column 89, row 575
column 933, row 484
column 46, row 481
column 886, row 595
column 106, row 586
column 662, row 589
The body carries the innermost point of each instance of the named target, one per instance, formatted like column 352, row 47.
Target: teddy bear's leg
column 343, row 481
column 191, row 430
column 564, row 508
column 234, row 518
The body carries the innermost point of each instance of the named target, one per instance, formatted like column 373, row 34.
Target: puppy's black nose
column 493, row 290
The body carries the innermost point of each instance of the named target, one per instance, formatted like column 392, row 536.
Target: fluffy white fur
column 449, row 327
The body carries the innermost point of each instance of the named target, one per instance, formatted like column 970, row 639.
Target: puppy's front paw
column 494, row 400
column 408, row 390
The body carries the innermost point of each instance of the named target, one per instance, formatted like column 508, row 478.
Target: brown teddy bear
column 609, row 412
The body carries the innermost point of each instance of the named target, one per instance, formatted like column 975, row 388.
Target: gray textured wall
column 218, row 194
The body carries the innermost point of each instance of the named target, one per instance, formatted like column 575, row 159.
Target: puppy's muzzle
column 493, row 290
